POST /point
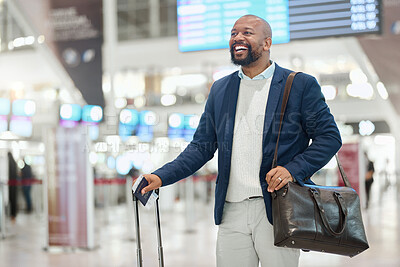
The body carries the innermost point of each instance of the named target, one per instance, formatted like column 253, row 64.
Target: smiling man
column 250, row 43
column 240, row 120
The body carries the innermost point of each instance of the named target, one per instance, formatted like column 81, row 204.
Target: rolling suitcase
column 137, row 224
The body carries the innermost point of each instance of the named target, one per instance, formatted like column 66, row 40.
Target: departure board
column 206, row 24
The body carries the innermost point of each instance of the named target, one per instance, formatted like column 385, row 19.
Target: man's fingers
column 154, row 183
column 146, row 189
column 277, row 178
column 270, row 174
column 282, row 184
column 274, row 183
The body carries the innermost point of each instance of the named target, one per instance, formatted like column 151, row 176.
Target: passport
column 137, row 188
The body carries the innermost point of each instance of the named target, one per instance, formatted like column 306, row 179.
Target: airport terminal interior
column 95, row 93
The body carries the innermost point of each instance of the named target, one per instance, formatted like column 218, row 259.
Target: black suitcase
column 137, row 224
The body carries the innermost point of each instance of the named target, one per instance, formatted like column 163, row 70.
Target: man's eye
column 247, row 33
column 233, row 33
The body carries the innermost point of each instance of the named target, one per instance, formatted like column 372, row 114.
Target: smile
column 240, row 48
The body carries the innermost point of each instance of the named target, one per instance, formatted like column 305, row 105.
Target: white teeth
column 239, row 47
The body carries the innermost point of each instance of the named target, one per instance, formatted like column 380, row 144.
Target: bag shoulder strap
column 342, row 173
column 288, row 87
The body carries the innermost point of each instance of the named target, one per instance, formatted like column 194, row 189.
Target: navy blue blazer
column 307, row 117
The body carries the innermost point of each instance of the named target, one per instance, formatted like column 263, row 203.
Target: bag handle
column 288, row 87
column 342, row 210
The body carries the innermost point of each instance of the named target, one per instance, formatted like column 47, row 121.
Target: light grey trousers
column 246, row 238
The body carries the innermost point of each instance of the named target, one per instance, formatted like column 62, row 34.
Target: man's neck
column 256, row 68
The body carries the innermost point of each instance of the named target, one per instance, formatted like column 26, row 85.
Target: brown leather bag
column 319, row 218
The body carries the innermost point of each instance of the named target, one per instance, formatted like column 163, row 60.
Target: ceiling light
column 329, row 91
column 168, row 100
column 366, row 127
column 20, row 41
column 41, row 39
column 199, row 98
column 139, row 101
column 120, row 102
column 382, row 90
column 358, row 76
column 360, row 90
column 29, row 40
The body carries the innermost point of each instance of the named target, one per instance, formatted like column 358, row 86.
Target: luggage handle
column 160, row 247
column 139, row 254
column 342, row 211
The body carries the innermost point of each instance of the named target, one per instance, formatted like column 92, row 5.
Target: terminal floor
column 187, row 242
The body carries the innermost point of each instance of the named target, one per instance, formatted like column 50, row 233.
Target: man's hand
column 277, row 178
column 154, row 183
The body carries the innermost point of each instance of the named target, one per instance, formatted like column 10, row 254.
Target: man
column 27, row 176
column 12, row 188
column 369, row 177
column 241, row 120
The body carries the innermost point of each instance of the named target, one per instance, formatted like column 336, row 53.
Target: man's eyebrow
column 246, row 28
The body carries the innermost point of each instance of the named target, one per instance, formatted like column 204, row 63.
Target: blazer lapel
column 275, row 92
column 229, row 112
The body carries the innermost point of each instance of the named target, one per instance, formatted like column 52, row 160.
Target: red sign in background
column 349, row 158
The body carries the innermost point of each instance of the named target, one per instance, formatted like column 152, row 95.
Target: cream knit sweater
column 244, row 178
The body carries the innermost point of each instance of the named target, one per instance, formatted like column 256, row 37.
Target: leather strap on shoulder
column 288, row 87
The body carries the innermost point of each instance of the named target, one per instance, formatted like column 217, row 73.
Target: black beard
column 251, row 57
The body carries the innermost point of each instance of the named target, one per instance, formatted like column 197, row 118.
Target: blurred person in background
column 12, row 186
column 369, row 179
column 241, row 119
column 27, row 177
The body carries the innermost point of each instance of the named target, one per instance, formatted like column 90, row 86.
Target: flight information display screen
column 206, row 24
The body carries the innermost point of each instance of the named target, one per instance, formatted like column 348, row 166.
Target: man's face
column 247, row 41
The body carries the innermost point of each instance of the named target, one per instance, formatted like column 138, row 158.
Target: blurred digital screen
column 191, row 123
column 4, row 106
column 21, row 126
column 176, row 125
column 68, row 123
column 94, row 132
column 176, row 121
column 145, row 133
column 206, row 24
column 148, row 118
column 92, row 113
column 22, row 107
column 126, row 130
column 70, row 112
column 129, row 117
column 3, row 123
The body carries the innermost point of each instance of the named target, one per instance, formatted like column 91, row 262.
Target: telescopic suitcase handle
column 158, row 223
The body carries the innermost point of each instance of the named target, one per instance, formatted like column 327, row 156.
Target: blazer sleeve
column 320, row 127
column 200, row 150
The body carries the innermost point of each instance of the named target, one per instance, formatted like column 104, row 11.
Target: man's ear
column 267, row 43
